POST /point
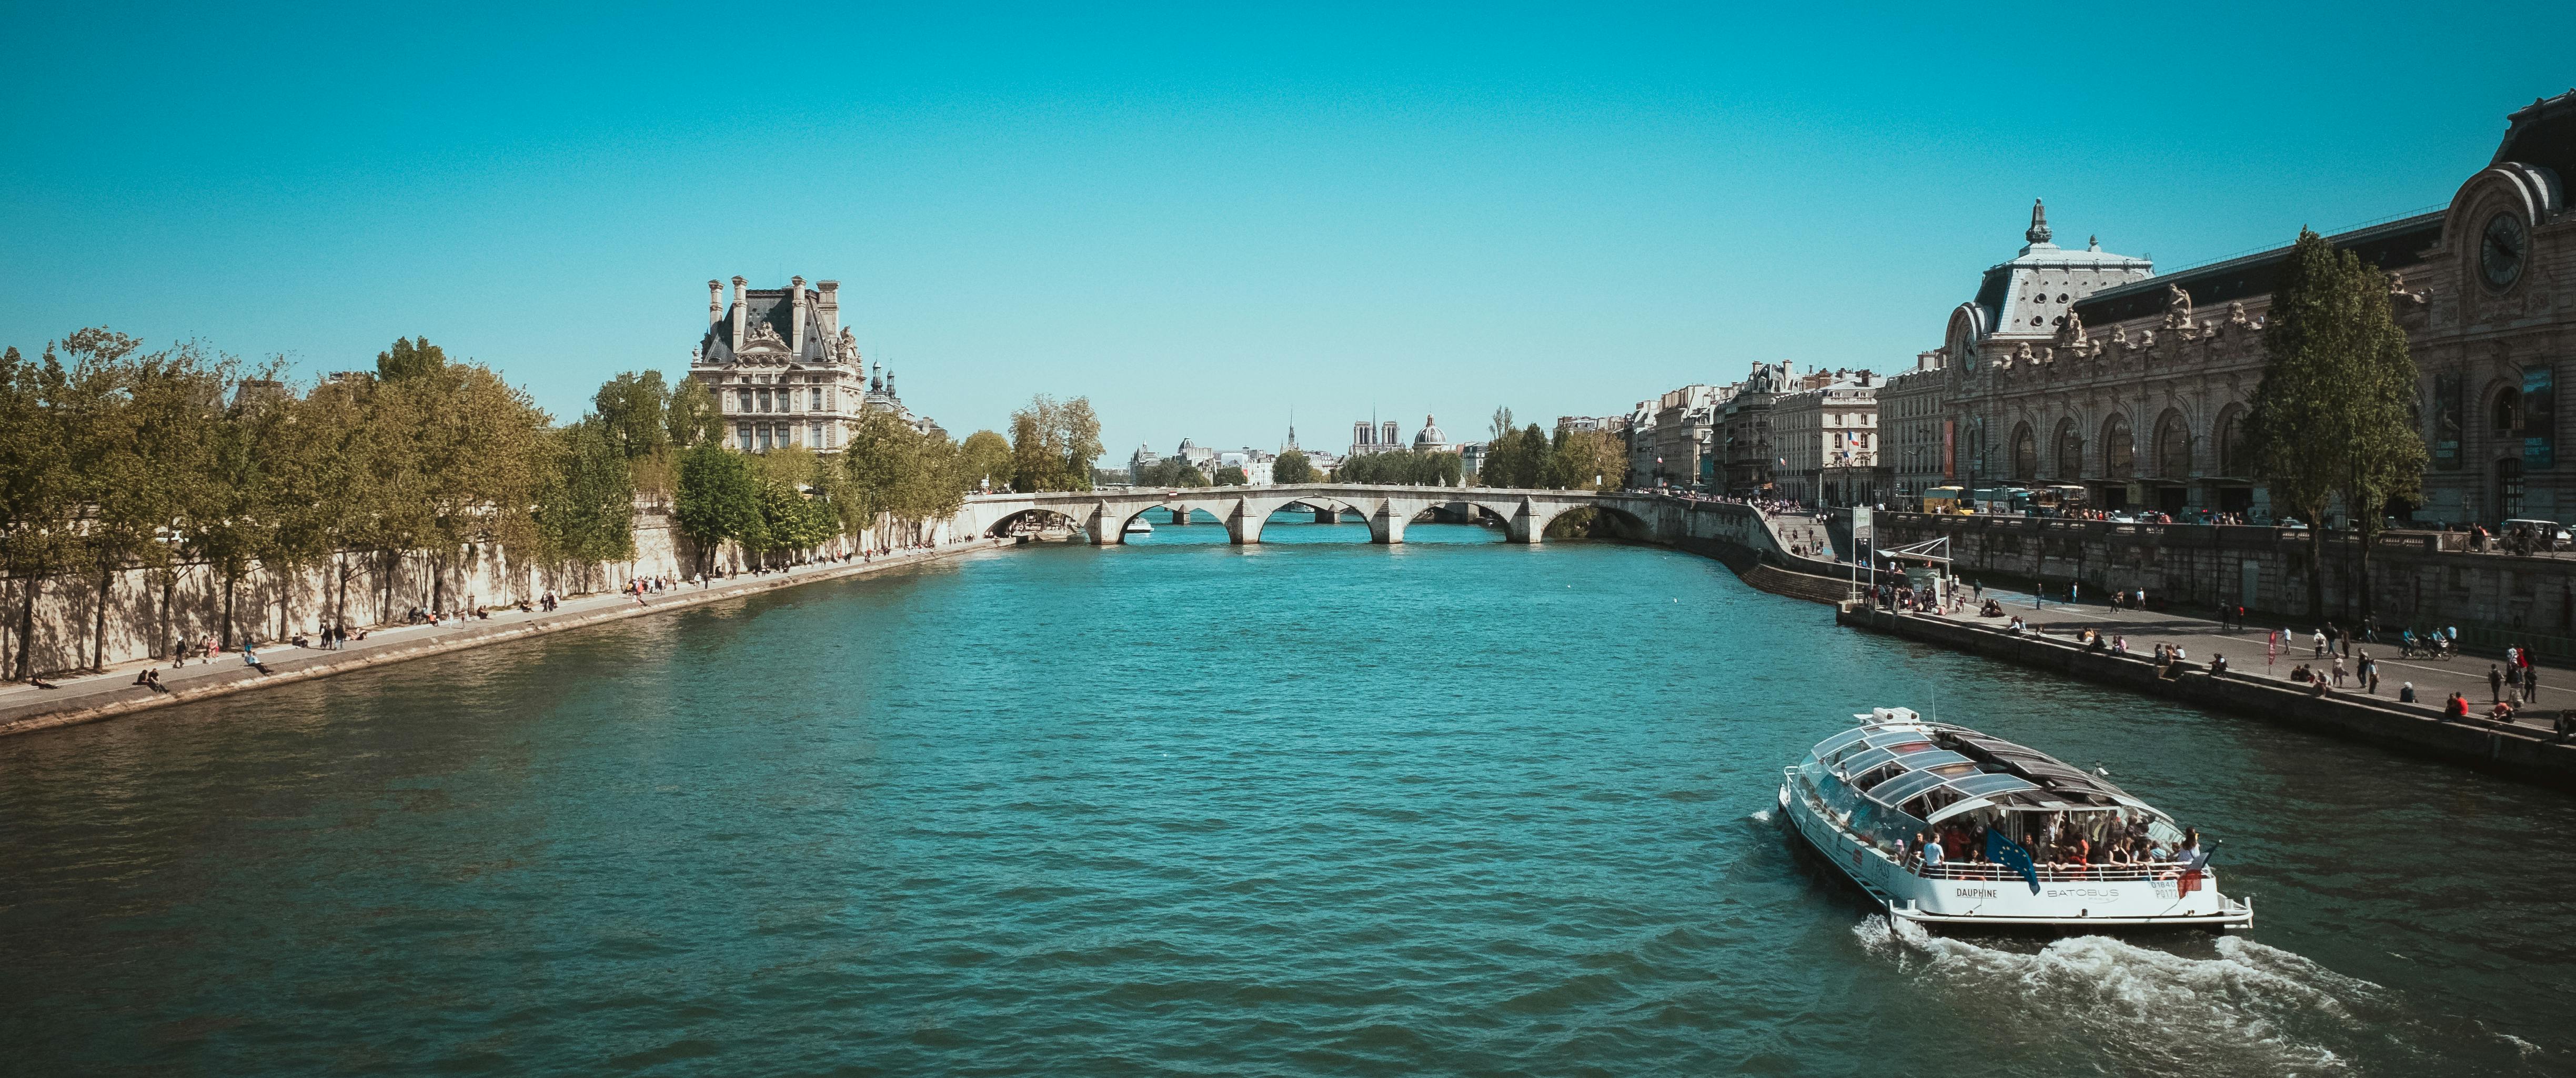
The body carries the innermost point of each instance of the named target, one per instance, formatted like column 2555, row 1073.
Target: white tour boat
column 2009, row 818
column 1136, row 525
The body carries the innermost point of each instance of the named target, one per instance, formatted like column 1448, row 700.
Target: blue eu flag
column 2010, row 854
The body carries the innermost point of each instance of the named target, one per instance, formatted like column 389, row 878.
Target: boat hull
column 2004, row 899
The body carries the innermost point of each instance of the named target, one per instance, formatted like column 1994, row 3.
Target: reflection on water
column 1309, row 806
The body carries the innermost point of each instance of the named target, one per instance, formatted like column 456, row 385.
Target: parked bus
column 1947, row 500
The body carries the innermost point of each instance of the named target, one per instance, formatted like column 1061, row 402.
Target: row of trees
column 1572, row 460
column 115, row 457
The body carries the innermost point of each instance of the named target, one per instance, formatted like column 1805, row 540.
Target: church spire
column 2038, row 222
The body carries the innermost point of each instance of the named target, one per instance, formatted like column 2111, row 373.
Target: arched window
column 2508, row 412
column 2025, row 454
column 2235, row 444
column 2119, row 449
column 2173, row 446
column 2070, row 452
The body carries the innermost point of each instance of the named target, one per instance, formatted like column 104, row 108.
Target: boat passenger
column 1931, row 850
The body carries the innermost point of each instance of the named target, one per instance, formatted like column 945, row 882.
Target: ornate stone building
column 2088, row 370
column 1751, row 458
column 1921, row 438
column 785, row 371
column 1828, row 439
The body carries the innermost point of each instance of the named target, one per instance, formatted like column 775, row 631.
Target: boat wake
column 2245, row 1008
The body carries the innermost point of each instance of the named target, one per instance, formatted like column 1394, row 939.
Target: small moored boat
column 2017, row 837
column 1136, row 525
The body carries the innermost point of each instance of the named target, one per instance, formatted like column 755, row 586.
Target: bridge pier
column 1180, row 516
column 1386, row 526
column 1107, row 527
column 1243, row 525
column 1328, row 516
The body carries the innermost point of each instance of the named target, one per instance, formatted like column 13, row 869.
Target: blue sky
column 1200, row 216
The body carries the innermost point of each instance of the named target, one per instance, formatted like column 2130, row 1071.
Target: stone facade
column 1750, row 454
column 2087, row 370
column 785, row 371
column 1828, row 440
column 1921, row 438
column 1680, row 447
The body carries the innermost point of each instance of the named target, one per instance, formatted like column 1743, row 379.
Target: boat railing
column 1987, row 870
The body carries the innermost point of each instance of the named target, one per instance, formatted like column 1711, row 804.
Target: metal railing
column 1986, row 870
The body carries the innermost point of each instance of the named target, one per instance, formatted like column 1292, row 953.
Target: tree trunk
column 2316, row 566
column 98, row 625
column 232, row 582
column 24, row 667
column 161, row 631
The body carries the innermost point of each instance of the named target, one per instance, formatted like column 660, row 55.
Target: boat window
column 1904, row 788
column 1924, row 761
column 1955, row 770
column 1877, row 775
column 1989, row 785
column 1829, row 746
column 1866, row 761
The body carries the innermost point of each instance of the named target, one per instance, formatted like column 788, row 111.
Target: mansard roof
column 2542, row 133
column 2391, row 245
column 2005, row 308
column 770, row 308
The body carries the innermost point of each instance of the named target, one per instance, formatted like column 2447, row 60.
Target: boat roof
column 1980, row 768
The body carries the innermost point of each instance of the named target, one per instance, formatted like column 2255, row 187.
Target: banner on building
column 2539, row 417
column 2446, row 421
column 1949, row 451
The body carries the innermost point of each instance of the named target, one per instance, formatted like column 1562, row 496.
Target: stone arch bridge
column 1103, row 514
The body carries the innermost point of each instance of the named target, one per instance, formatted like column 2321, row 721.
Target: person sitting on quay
column 2406, row 692
column 2217, row 665
column 2502, row 711
column 250, row 658
column 151, row 679
column 2457, row 707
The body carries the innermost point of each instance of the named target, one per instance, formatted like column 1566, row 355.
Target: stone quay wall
column 2416, row 729
column 146, row 613
column 2417, row 578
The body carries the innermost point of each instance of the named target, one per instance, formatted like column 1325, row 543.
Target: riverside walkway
column 84, row 698
column 2245, row 649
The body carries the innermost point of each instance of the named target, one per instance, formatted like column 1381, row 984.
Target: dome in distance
column 1431, row 440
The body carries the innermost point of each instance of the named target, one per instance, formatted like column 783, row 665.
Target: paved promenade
column 25, row 708
column 2203, row 639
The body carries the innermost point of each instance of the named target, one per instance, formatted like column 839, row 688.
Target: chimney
column 738, row 310
column 715, row 303
column 796, row 317
column 828, row 305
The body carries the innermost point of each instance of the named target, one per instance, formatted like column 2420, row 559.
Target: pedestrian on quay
column 2338, row 671
column 2495, row 683
column 2370, row 628
column 2369, row 669
column 2320, row 641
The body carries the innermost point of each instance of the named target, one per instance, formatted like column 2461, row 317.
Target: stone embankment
column 26, row 709
column 2416, row 729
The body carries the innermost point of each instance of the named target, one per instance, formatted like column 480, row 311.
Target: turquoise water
column 1309, row 807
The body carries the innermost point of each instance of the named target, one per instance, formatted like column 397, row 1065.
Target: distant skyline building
column 785, row 371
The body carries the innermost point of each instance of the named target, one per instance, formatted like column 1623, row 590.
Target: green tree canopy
column 2333, row 416
column 986, row 456
column 1053, row 444
column 691, row 414
column 1231, row 476
column 717, row 500
column 1169, row 472
column 1402, row 468
column 412, row 358
column 1293, row 467
column 634, row 413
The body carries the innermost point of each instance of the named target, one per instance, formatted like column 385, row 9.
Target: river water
column 1308, row 807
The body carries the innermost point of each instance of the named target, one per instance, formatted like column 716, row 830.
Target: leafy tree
column 586, row 502
column 1501, row 425
column 1231, row 476
column 2333, row 415
column 1404, row 467
column 1585, row 460
column 717, row 500
column 692, row 415
column 1293, row 467
column 38, row 487
column 634, row 412
column 470, row 467
column 1170, row 472
column 1053, row 444
column 407, row 359
column 1515, row 458
column 986, row 456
